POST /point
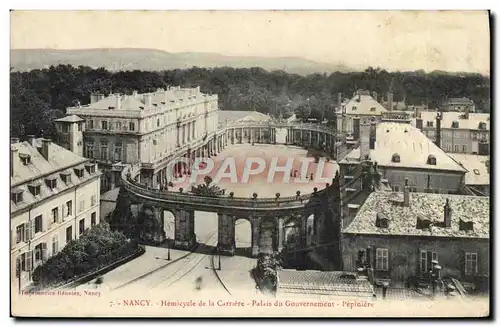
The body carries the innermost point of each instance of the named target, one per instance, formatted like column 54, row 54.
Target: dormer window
column 430, row 124
column 466, row 225
column 79, row 172
column 34, row 188
column 25, row 158
column 51, row 182
column 141, row 107
column 90, row 167
column 354, row 107
column 382, row 220
column 431, row 160
column 423, row 223
column 482, row 125
column 66, row 177
column 396, row 158
column 373, row 109
column 16, row 196
column 454, row 124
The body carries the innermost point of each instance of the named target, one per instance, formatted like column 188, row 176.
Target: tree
column 207, row 189
column 122, row 219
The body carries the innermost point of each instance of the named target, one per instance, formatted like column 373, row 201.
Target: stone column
column 184, row 230
column 255, row 236
column 281, row 234
column 226, row 242
column 194, row 129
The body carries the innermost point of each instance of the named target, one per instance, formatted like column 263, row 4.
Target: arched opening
column 267, row 236
column 150, row 229
column 206, row 227
column 243, row 237
column 292, row 243
column 169, row 225
column 310, row 231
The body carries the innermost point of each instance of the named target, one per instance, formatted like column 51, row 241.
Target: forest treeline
column 40, row 96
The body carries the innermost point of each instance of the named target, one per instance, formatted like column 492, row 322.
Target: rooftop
column 363, row 104
column 229, row 116
column 411, row 146
column 448, row 117
column 403, row 220
column 324, row 282
column 70, row 119
column 462, row 100
column 478, row 171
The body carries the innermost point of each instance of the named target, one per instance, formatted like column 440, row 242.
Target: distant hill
column 154, row 60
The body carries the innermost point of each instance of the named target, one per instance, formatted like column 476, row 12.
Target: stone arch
column 267, row 235
column 243, row 236
column 150, row 225
column 311, row 229
column 168, row 223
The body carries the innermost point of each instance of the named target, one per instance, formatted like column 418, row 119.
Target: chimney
column 148, row 100
column 14, row 140
column 438, row 129
column 419, row 123
column 135, row 93
column 339, row 100
column 364, row 142
column 14, row 161
column 375, row 95
column 45, row 148
column 100, row 97
column 466, row 113
column 31, row 140
column 406, row 194
column 118, row 104
column 390, row 97
column 355, row 127
column 447, row 214
column 94, row 97
column 373, row 134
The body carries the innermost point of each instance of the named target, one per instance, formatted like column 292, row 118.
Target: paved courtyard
column 259, row 182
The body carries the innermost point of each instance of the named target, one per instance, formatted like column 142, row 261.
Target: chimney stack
column 438, row 128
column 373, row 134
column 31, row 140
column 466, row 114
column 375, row 95
column 135, row 93
column 45, row 148
column 364, row 142
column 100, row 97
column 148, row 100
column 390, row 99
column 447, row 213
column 406, row 194
column 419, row 123
column 14, row 140
column 14, row 161
column 339, row 101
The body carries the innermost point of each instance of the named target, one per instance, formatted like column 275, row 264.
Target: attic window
column 110, row 107
column 466, row 225
column 51, row 182
column 396, row 158
column 90, row 167
column 476, row 172
column 382, row 220
column 79, row 172
column 34, row 188
column 431, row 160
column 373, row 109
column 66, row 177
column 354, row 107
column 430, row 124
column 16, row 195
column 423, row 223
column 25, row 158
column 454, row 124
column 482, row 125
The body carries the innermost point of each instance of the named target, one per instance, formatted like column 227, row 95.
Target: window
column 66, row 177
column 93, row 220
column 20, row 234
column 80, row 127
column 118, row 126
column 55, row 215
column 431, row 160
column 89, row 150
column 81, row 226
column 430, row 133
column 38, row 224
column 131, row 126
column 426, row 258
column 16, row 196
column 354, row 107
column 91, row 124
column 464, row 148
column 69, row 208
column 430, row 124
column 382, row 263
column 396, row 158
column 457, row 148
column 41, row 252
column 65, row 128
column 79, row 172
column 449, row 148
column 34, row 189
column 51, row 182
column 454, row 124
column 69, row 234
column 118, row 151
column 476, row 172
column 158, row 123
column 82, row 206
column 470, row 263
column 104, row 125
column 25, row 158
column 93, row 200
column 104, row 150
column 55, row 244
column 395, row 188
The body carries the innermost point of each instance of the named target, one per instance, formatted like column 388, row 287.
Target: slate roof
column 70, row 119
column 403, row 220
column 449, row 117
column 478, row 173
column 366, row 105
column 322, row 282
column 36, row 172
column 412, row 146
column 229, row 116
column 462, row 100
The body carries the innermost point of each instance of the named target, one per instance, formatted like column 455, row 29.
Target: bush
column 96, row 248
column 266, row 271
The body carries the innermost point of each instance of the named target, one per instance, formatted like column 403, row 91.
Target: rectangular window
column 20, row 233
column 104, row 125
column 69, row 208
column 81, row 226
column 80, row 127
column 69, row 234
column 426, row 258
column 464, row 148
column 131, row 126
column 118, row 126
column 470, row 263
column 395, row 188
column 93, row 200
column 82, row 206
column 55, row 244
column 457, row 148
column 55, row 215
column 91, row 124
column 65, row 128
column 104, row 150
column 382, row 263
column 89, row 150
column 17, row 196
column 93, row 219
column 38, row 224
column 118, row 151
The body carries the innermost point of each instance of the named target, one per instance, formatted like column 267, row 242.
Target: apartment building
column 54, row 199
column 146, row 128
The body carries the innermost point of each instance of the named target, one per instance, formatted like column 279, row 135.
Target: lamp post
column 218, row 252
column 168, row 253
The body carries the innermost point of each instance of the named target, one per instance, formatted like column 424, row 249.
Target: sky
column 429, row 40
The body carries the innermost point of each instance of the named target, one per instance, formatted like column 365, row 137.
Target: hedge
column 96, row 248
